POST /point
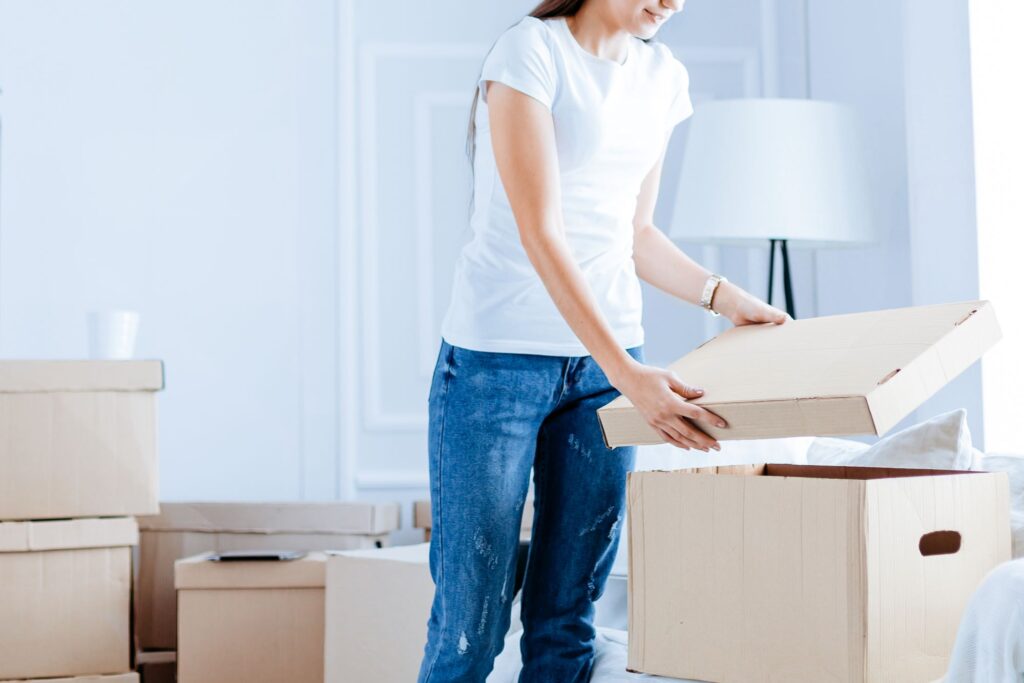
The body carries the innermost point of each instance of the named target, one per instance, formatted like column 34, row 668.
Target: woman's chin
column 646, row 31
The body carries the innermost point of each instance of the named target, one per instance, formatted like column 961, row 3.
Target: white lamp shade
column 759, row 169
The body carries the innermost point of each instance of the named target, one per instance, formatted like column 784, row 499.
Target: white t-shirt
column 611, row 121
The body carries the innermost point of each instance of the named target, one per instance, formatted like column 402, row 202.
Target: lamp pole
column 787, row 282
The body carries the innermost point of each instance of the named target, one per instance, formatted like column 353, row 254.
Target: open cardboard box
column 803, row 573
column 844, row 374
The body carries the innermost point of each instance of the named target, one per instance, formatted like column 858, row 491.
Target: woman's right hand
column 660, row 396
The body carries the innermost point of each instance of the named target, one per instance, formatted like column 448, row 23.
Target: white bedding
column 609, row 660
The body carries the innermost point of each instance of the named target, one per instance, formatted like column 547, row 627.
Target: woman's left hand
column 743, row 308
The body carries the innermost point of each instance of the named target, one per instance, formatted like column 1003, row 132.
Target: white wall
column 998, row 110
column 179, row 159
column 280, row 189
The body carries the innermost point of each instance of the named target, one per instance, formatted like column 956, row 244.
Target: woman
column 573, row 113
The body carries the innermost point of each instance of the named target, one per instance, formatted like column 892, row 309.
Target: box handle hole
column 939, row 543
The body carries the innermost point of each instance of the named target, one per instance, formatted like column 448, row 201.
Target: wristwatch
column 708, row 294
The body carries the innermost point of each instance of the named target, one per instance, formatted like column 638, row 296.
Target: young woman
column 573, row 113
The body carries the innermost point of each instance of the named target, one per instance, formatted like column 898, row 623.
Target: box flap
column 815, row 376
column 80, row 375
column 273, row 518
column 66, row 534
column 200, row 572
column 961, row 342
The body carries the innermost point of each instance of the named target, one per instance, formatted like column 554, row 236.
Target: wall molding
column 347, row 434
column 424, row 106
column 376, row 418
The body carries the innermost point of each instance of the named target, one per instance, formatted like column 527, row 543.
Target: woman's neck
column 597, row 34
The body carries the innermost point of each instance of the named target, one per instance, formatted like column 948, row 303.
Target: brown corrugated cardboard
column 79, row 438
column 115, row 678
column 250, row 622
column 64, row 597
column 378, row 602
column 157, row 667
column 806, row 574
column 422, row 519
column 158, row 672
column 187, row 529
column 846, row 374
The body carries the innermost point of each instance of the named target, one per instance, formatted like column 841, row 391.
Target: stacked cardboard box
column 77, row 462
column 184, row 530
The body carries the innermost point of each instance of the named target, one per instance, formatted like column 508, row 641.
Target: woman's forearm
column 549, row 253
column 664, row 265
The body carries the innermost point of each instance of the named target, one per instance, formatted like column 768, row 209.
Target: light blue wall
column 179, row 159
column 203, row 162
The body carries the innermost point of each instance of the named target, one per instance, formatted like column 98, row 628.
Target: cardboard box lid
column 67, row 534
column 131, row 677
column 275, row 518
column 200, row 572
column 845, row 374
column 418, row 553
column 80, row 375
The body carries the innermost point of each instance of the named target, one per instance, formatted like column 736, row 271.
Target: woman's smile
column 654, row 18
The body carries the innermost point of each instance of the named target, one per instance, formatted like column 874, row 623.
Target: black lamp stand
column 787, row 283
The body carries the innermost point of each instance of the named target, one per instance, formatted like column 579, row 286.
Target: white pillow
column 941, row 443
column 790, row 451
column 1013, row 465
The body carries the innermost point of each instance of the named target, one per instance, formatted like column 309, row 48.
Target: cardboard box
column 65, row 591
column 422, row 520
column 157, row 667
column 116, row 678
column 250, row 622
column 805, row 574
column 187, row 529
column 378, row 603
column 844, row 374
column 79, row 438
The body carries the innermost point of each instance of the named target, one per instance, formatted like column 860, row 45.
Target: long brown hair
column 545, row 10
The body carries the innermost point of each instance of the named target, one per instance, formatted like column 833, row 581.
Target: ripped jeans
column 493, row 416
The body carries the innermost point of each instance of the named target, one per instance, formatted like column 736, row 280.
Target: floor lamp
column 789, row 172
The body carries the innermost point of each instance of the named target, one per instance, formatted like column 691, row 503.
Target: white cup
column 112, row 334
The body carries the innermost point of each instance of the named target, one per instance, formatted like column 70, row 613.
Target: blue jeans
column 493, row 416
